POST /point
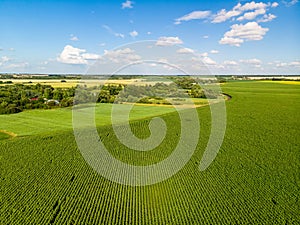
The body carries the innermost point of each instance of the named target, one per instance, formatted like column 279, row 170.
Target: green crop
column 253, row 180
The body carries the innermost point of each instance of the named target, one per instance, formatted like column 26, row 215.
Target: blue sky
column 230, row 37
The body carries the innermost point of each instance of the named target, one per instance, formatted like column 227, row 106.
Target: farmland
column 254, row 179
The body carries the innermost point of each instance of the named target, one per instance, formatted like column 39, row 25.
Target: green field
column 255, row 178
column 35, row 122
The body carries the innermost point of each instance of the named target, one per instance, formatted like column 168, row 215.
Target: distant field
column 284, row 82
column 253, row 180
column 56, row 83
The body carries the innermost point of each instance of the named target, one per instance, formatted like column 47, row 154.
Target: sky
column 228, row 37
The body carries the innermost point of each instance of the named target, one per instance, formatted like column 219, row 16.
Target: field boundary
column 11, row 134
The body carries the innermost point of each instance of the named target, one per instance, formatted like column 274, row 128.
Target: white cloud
column 295, row 63
column 113, row 32
column 281, row 64
column 3, row 60
column 119, row 35
column 267, row 18
column 290, row 3
column 149, row 33
column 252, row 6
column 134, row 33
column 288, row 64
column 128, row 4
column 252, row 15
column 125, row 55
column 208, row 61
column 168, row 41
column 17, row 65
column 214, row 51
column 195, row 15
column 90, row 56
column 240, row 32
column 204, row 54
column 251, row 61
column 72, row 55
column 248, row 31
column 73, row 38
column 231, row 41
column 203, row 59
column 250, row 9
column 223, row 15
column 185, row 50
column 230, row 63
column 205, row 36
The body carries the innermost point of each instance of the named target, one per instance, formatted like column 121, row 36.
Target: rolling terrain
column 253, row 180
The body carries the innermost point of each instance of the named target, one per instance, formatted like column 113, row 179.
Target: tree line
column 18, row 97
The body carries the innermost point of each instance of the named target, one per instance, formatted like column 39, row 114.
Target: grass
column 34, row 122
column 254, row 179
column 4, row 135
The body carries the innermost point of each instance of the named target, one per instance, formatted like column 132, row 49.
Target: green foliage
column 15, row 98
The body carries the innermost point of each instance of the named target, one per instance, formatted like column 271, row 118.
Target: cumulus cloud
column 253, row 62
column 125, row 55
column 230, row 63
column 252, row 15
column 128, row 4
column 195, row 15
column 133, row 33
column 208, row 61
column 250, row 11
column 168, row 41
column 252, row 6
column 185, row 50
column 240, row 32
column 203, row 58
column 224, row 15
column 72, row 55
column 267, row 18
column 231, row 41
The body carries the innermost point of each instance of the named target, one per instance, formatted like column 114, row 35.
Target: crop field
column 255, row 178
column 68, row 83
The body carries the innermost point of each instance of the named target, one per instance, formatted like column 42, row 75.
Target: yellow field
column 72, row 83
column 53, row 83
column 282, row 81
